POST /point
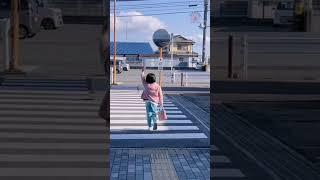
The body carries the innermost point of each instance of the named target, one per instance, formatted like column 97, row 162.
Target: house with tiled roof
column 139, row 53
column 134, row 52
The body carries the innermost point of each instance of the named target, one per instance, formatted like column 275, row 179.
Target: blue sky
column 140, row 28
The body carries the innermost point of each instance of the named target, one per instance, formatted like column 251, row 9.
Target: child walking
column 153, row 97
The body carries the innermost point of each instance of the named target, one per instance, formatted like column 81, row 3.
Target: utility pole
column 171, row 52
column 204, row 30
column 308, row 15
column 104, row 8
column 160, row 67
column 15, row 55
column 114, row 45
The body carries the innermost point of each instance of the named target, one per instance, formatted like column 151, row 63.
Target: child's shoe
column 155, row 126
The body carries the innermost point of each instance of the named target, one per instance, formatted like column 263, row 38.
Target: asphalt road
column 194, row 78
column 72, row 50
column 288, row 111
column 235, row 161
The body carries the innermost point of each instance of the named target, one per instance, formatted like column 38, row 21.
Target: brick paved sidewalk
column 159, row 164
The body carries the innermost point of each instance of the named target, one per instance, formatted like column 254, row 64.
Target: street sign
column 161, row 38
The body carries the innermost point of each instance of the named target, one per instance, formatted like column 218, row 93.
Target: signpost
column 161, row 38
column 114, row 79
column 15, row 55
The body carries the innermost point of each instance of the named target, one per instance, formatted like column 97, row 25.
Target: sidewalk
column 159, row 164
column 199, row 79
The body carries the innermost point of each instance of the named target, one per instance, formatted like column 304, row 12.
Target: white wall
column 153, row 62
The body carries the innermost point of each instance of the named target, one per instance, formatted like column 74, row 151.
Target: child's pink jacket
column 151, row 92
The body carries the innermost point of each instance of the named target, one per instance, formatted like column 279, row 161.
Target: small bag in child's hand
column 162, row 114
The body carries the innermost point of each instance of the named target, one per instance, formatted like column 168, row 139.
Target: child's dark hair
column 150, row 78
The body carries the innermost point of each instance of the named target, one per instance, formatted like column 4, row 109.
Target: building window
column 179, row 47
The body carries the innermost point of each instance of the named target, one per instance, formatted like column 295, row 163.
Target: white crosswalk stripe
column 57, row 122
column 128, row 116
column 225, row 172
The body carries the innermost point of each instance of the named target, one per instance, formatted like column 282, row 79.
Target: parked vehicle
column 284, row 13
column 119, row 67
column 51, row 18
column 198, row 66
column 29, row 17
column 126, row 67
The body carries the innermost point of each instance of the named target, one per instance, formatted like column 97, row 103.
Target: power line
column 153, row 10
column 162, row 3
column 160, row 7
column 166, row 13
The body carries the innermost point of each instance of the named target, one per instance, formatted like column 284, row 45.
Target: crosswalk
column 222, row 167
column 49, row 129
column 129, row 125
column 45, row 84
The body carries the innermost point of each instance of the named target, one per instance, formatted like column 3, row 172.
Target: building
column 141, row 53
column 81, row 11
column 135, row 52
column 182, row 50
column 254, row 9
column 314, row 17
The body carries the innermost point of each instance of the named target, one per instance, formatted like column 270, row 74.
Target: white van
column 51, row 18
column 29, row 17
column 284, row 13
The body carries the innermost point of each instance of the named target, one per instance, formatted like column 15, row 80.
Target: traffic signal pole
column 204, row 31
column 160, row 66
column 15, row 55
column 114, row 46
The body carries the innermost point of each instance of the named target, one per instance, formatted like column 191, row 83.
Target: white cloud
column 143, row 26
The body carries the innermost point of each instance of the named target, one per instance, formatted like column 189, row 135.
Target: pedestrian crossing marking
column 142, row 115
column 78, row 146
column 36, row 92
column 143, row 121
column 135, row 112
column 54, row 127
column 226, row 173
column 53, row 158
column 159, row 136
column 49, row 113
column 220, row 159
column 48, row 107
column 136, row 104
column 125, row 101
column 45, row 96
column 128, row 115
column 45, row 84
column 53, row 123
column 138, row 108
column 15, row 118
column 45, row 101
column 52, row 135
column 53, row 172
column 160, row 128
